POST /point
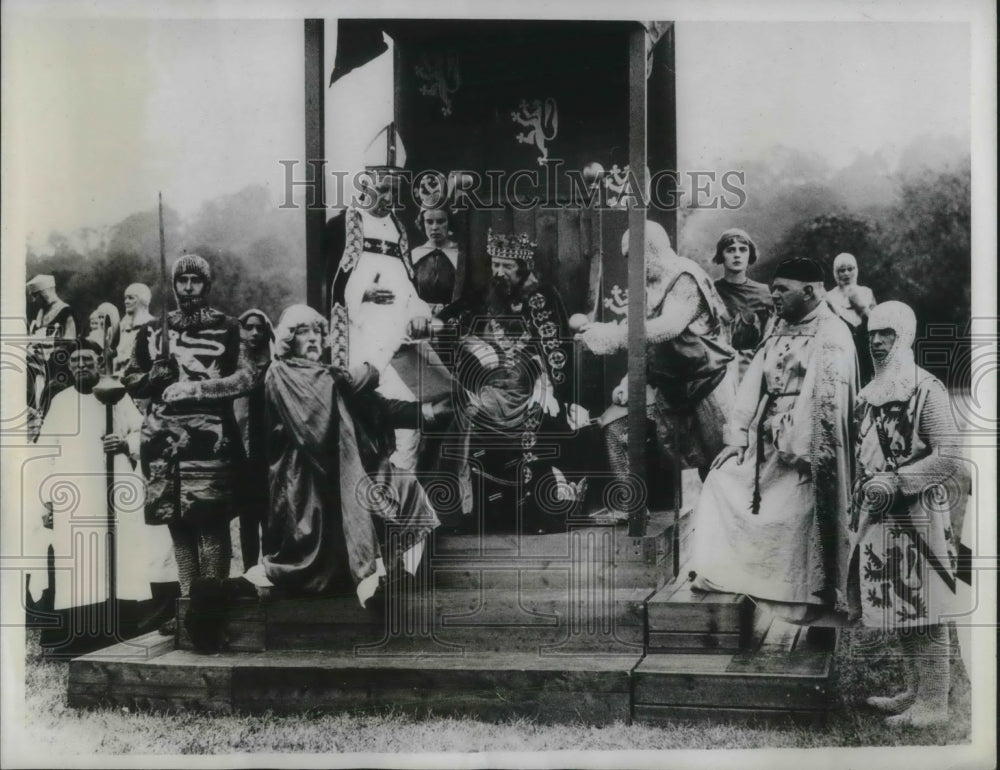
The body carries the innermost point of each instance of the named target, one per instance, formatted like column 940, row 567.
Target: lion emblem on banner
column 542, row 120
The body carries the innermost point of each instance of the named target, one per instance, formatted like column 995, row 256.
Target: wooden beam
column 315, row 87
column 637, row 274
column 662, row 124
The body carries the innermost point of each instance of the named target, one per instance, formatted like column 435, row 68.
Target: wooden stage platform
column 587, row 626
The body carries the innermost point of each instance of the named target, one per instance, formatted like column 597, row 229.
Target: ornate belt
column 378, row 246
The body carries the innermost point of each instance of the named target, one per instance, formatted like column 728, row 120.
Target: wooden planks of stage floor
column 587, row 626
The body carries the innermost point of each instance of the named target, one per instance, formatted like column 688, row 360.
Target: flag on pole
column 358, row 42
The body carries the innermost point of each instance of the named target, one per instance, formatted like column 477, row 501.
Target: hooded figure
column 850, row 301
column 908, row 501
column 191, row 446
column 53, row 329
column 853, row 303
column 329, row 439
column 137, row 297
column 688, row 353
column 106, row 313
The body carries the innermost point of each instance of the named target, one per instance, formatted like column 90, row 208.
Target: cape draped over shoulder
column 323, row 492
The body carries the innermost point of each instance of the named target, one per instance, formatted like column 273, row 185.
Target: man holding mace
column 77, row 425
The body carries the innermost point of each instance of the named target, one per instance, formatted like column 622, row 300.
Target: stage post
column 315, row 88
column 637, row 278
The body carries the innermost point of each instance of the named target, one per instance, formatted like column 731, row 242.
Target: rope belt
column 769, row 399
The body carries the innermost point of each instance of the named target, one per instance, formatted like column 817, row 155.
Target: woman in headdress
column 436, row 264
column 909, row 496
column 853, row 302
column 748, row 302
column 257, row 335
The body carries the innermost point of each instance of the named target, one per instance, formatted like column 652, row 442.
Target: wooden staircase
column 544, row 626
column 581, row 626
column 714, row 657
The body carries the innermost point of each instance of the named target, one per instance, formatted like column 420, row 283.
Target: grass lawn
column 862, row 669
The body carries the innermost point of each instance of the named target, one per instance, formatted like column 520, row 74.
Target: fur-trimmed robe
column 775, row 526
column 689, row 362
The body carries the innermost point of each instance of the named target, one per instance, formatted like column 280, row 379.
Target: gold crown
column 519, row 247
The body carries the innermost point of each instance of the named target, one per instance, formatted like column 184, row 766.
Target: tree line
column 910, row 231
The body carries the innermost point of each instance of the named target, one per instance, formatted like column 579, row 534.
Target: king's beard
column 499, row 296
column 505, row 291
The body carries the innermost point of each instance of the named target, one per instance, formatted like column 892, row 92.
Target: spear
column 165, row 283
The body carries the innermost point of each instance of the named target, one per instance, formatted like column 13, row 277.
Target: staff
column 109, row 391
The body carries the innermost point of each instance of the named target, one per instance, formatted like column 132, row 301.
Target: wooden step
column 527, row 574
column 582, row 618
column 772, row 683
column 581, row 556
column 680, row 620
column 489, row 686
column 650, row 548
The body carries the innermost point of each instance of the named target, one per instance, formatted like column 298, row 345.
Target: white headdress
column 845, row 259
column 896, row 376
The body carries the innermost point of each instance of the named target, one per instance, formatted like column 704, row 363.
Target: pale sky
column 831, row 88
column 110, row 112
column 106, row 113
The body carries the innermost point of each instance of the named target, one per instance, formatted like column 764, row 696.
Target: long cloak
column 750, row 309
column 328, row 479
